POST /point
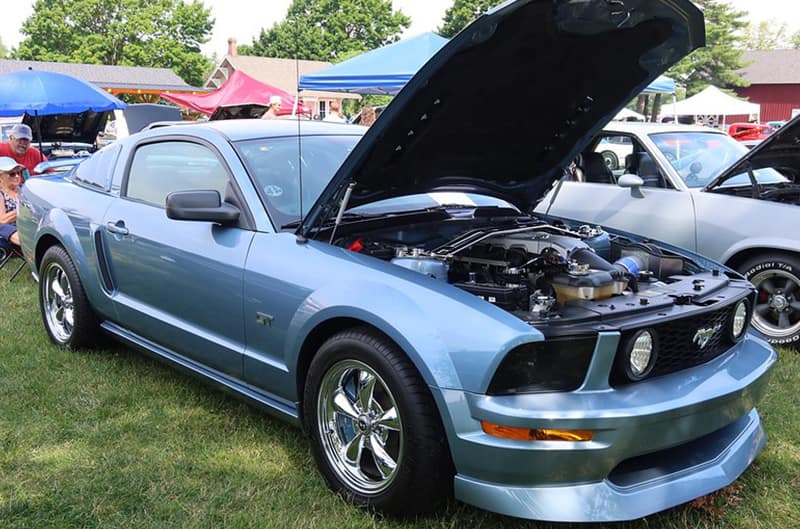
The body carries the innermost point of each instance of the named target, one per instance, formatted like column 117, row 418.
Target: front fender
column 452, row 344
column 760, row 243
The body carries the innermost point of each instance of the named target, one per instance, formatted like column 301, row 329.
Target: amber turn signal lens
column 546, row 434
column 539, row 434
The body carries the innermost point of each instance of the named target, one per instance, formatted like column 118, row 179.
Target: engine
column 533, row 270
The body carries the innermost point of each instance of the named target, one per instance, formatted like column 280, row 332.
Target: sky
column 244, row 19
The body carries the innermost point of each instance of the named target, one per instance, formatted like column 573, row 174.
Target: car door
column 655, row 209
column 177, row 283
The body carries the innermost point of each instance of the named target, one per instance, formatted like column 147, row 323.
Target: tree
column 718, row 62
column 765, row 35
column 461, row 13
column 3, row 50
column 324, row 30
column 796, row 40
column 164, row 33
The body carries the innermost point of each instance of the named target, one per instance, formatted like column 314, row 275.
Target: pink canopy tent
column 238, row 90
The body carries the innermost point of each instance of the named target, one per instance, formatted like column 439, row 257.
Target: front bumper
column 657, row 443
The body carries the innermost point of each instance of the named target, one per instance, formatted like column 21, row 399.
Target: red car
column 749, row 131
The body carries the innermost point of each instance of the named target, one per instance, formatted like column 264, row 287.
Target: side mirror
column 630, row 181
column 201, row 205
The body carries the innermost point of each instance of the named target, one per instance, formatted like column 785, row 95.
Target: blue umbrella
column 40, row 93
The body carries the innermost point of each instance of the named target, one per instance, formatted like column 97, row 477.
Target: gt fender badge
column 702, row 336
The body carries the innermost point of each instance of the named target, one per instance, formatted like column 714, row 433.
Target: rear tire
column 777, row 309
column 66, row 313
column 376, row 433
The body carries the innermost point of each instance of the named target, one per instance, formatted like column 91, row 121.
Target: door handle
column 117, row 228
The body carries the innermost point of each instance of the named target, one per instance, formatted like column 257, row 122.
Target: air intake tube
column 627, row 267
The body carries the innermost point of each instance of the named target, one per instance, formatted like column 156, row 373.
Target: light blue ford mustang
column 388, row 290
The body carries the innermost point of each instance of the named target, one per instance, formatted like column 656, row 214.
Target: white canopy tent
column 713, row 102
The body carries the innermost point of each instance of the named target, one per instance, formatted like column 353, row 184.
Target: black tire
column 66, row 313
column 777, row 309
column 611, row 160
column 422, row 477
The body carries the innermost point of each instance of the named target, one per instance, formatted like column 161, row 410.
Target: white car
column 697, row 188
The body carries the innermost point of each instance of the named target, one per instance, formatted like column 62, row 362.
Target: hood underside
column 781, row 151
column 559, row 69
column 82, row 127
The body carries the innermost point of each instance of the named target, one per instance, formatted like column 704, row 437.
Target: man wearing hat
column 273, row 108
column 20, row 149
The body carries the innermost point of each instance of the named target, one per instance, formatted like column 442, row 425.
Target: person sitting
column 10, row 174
column 19, row 148
column 273, row 108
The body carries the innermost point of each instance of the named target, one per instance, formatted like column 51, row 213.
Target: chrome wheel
column 359, row 426
column 58, row 303
column 777, row 309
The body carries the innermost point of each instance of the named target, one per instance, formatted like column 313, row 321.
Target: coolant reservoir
column 424, row 265
column 593, row 285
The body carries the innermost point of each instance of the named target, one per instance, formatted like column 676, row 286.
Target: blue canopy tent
column 662, row 85
column 383, row 71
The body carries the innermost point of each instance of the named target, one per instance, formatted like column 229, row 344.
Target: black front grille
column 679, row 346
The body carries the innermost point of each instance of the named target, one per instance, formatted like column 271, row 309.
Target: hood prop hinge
column 342, row 208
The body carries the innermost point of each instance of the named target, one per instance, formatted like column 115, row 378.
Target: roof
column 281, row 73
column 633, row 127
column 771, row 66
column 104, row 76
column 246, row 129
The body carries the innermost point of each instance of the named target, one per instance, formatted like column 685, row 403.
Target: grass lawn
column 111, row 439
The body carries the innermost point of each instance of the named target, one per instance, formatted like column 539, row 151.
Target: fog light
column 739, row 322
column 641, row 355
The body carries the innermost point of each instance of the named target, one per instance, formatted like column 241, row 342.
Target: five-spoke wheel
column 67, row 315
column 58, row 303
column 375, row 430
column 361, row 430
column 777, row 309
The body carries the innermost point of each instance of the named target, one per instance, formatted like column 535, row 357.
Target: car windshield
column 277, row 165
column 699, row 157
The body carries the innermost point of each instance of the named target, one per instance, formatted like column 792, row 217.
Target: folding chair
column 6, row 254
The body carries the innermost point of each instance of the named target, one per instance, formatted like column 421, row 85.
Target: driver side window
column 623, row 154
column 158, row 169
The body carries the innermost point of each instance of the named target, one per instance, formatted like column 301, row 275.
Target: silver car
column 699, row 189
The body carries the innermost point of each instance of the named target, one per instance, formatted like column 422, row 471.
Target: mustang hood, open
column 564, row 69
column 781, row 150
column 81, row 127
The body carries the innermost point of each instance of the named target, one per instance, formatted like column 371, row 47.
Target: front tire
column 777, row 309
column 376, row 433
column 66, row 312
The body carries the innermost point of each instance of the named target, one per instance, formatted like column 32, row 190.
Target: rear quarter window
column 98, row 170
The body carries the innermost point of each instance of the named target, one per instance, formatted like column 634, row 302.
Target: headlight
column 558, row 364
column 641, row 354
column 741, row 316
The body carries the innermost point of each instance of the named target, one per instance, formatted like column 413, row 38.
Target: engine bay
column 546, row 273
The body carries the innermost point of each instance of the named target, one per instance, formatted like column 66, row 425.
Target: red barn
column 774, row 77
